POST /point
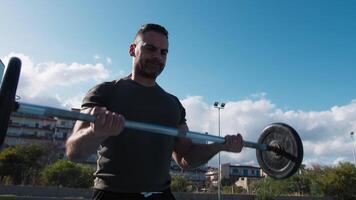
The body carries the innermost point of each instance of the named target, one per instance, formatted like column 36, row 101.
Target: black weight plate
column 7, row 94
column 287, row 139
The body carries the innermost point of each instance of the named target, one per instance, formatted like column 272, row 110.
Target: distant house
column 235, row 171
column 193, row 175
column 243, row 175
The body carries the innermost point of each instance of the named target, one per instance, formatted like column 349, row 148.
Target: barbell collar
column 262, row 147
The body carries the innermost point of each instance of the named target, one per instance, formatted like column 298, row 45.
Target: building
column 46, row 131
column 51, row 132
column 243, row 175
column 212, row 175
column 235, row 171
column 194, row 175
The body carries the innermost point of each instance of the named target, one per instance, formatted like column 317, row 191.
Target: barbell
column 279, row 149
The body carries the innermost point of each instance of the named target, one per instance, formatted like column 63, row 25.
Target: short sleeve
column 182, row 113
column 97, row 96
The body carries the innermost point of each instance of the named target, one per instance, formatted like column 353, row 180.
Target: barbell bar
column 279, row 152
column 27, row 108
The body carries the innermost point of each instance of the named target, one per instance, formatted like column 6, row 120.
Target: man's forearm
column 80, row 145
column 200, row 154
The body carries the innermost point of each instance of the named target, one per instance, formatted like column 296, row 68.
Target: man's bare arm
column 87, row 137
column 189, row 155
column 82, row 142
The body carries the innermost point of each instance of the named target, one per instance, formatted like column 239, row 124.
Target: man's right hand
column 107, row 123
column 87, row 136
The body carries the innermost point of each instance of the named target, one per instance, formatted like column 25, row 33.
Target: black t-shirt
column 134, row 161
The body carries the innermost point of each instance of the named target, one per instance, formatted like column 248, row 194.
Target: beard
column 149, row 68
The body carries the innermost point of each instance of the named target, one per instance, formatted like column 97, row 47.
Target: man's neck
column 148, row 82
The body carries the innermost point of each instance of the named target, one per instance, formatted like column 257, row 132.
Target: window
column 61, row 155
column 235, row 171
column 245, row 171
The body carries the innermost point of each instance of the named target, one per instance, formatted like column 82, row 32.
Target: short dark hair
column 152, row 27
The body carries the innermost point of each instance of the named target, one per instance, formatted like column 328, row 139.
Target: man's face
column 150, row 54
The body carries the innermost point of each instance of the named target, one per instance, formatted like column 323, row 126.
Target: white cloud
column 339, row 160
column 52, row 101
column 74, row 102
column 48, row 76
column 325, row 134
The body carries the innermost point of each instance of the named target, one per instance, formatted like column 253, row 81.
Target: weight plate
column 7, row 94
column 285, row 163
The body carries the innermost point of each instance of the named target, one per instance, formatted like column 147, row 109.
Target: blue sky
column 301, row 53
column 297, row 55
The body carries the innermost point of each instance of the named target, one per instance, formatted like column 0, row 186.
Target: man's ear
column 132, row 50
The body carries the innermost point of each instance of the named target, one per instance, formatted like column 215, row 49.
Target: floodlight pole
column 219, row 106
column 353, row 146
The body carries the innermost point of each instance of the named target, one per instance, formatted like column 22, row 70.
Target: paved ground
column 12, row 197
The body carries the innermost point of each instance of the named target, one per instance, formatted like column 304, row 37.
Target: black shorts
column 106, row 195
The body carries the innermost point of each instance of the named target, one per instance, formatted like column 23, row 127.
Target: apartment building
column 193, row 175
column 50, row 132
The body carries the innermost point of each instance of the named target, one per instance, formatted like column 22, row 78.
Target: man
column 135, row 164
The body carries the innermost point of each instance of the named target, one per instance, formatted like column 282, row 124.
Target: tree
column 228, row 181
column 67, row 174
column 21, row 164
column 179, row 184
column 314, row 186
column 339, row 182
column 268, row 189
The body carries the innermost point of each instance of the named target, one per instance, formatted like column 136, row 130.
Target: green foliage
column 67, row 174
column 314, row 186
column 239, row 190
column 228, row 181
column 227, row 189
column 21, row 164
column 268, row 189
column 297, row 185
column 233, row 189
column 339, row 182
column 179, row 184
